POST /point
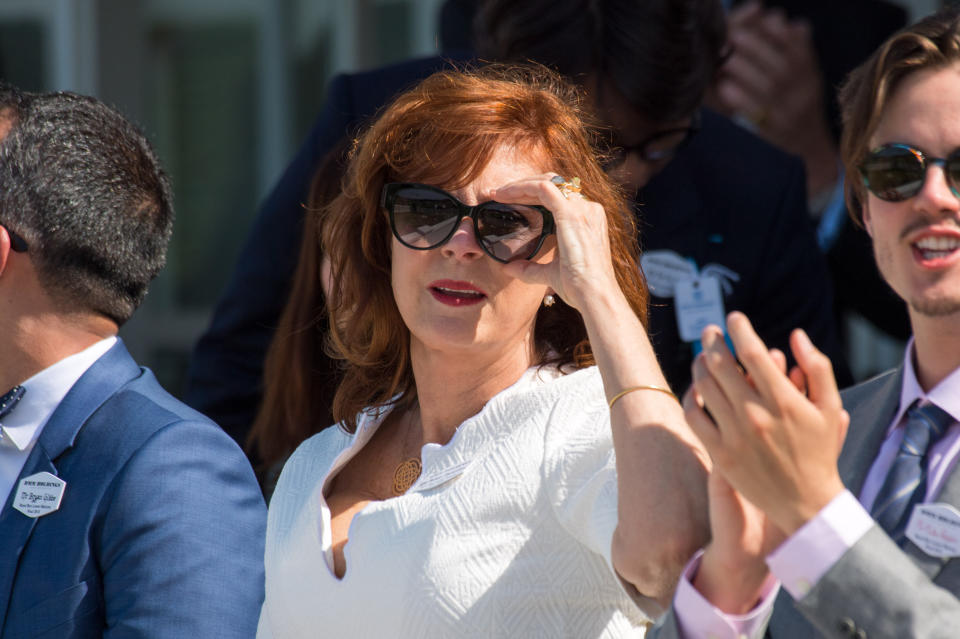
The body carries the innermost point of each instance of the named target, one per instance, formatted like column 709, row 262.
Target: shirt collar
column 370, row 418
column 945, row 395
column 45, row 391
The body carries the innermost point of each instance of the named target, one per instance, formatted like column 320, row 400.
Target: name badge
column 39, row 494
column 698, row 302
column 935, row 529
column 663, row 269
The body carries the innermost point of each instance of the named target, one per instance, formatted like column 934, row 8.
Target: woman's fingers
column 536, row 189
column 581, row 226
column 583, row 257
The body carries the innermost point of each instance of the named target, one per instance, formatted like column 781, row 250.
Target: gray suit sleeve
column 666, row 627
column 875, row 587
column 874, row 590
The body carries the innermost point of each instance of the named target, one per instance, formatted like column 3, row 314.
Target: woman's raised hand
column 582, row 262
column 650, row 436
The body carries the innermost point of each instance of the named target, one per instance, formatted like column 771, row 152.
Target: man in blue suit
column 125, row 513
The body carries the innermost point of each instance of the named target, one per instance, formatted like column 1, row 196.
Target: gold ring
column 567, row 186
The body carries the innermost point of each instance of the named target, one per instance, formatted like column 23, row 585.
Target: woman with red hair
column 509, row 460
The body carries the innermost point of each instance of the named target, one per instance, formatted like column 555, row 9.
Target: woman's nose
column 463, row 243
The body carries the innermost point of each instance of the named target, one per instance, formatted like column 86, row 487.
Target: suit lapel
column 114, row 369
column 860, row 449
column 17, row 528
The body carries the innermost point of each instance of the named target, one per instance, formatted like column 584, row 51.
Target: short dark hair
column 12, row 101
column 83, row 186
column 931, row 43
column 660, row 54
column 11, row 98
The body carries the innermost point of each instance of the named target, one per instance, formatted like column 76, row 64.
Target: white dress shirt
column 20, row 430
column 507, row 532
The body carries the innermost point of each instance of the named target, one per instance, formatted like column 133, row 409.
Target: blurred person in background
column 787, row 58
column 723, row 213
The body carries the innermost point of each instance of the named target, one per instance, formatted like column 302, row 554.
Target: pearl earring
column 549, row 300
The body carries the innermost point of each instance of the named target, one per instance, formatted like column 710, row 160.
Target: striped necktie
column 906, row 482
column 10, row 399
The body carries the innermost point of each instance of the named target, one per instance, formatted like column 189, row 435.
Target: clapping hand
column 774, row 438
column 733, row 570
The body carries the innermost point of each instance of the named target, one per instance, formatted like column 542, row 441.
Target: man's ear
column 5, row 248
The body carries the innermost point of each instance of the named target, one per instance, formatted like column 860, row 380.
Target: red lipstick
column 456, row 293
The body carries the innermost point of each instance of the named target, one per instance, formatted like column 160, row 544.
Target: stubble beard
column 940, row 307
column 928, row 306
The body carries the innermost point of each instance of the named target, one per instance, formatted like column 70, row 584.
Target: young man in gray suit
column 860, row 524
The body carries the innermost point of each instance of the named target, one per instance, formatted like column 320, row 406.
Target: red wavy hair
column 444, row 132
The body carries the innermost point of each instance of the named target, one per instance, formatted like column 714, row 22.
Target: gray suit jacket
column 875, row 589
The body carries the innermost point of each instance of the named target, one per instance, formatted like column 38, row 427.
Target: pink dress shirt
column 810, row 552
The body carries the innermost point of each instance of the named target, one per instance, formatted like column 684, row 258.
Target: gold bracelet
column 641, row 387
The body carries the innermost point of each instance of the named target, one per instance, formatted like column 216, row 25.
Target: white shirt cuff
column 697, row 617
column 810, row 552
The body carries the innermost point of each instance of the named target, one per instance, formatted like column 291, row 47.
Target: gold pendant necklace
column 406, row 473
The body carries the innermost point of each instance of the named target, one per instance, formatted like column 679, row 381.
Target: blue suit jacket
column 728, row 199
column 160, row 530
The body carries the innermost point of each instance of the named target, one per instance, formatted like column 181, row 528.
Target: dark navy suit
column 732, row 200
column 160, row 530
column 728, row 199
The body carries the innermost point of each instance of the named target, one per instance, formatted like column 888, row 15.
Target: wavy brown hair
column 931, row 43
column 444, row 132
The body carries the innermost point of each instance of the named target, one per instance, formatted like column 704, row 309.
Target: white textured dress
column 506, row 533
